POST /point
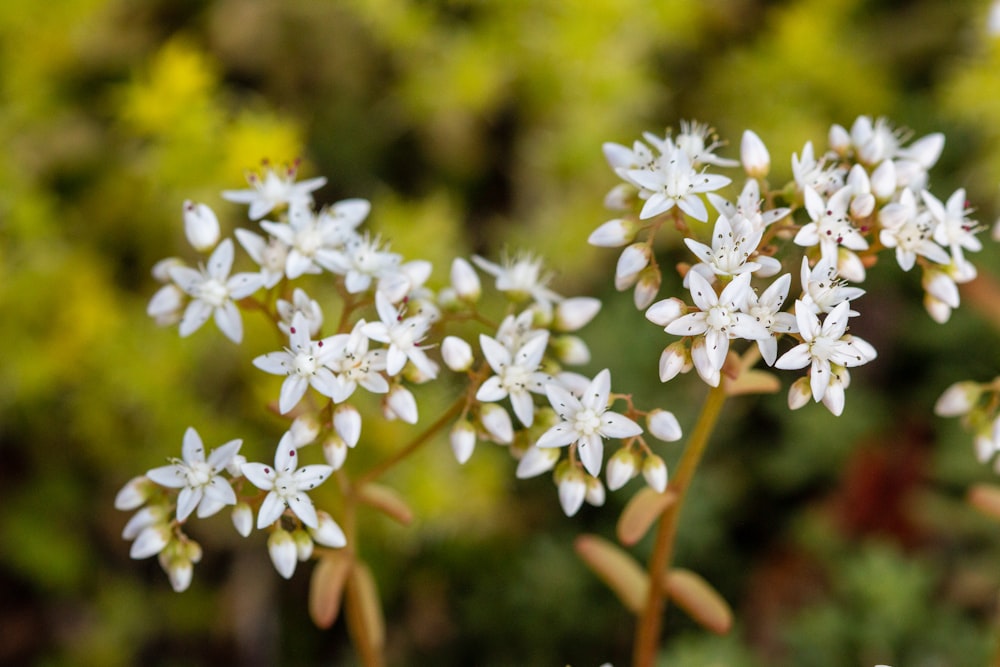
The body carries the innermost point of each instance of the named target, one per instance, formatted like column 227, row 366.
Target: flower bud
column 926, row 150
column 465, row 280
column 536, row 461
column 850, row 267
column 347, row 423
column 663, row 425
column 575, row 313
column 179, row 571
column 654, row 470
column 242, row 519
column 144, row 518
column 463, row 440
column 633, row 259
column 572, row 488
column 674, row 359
column 862, row 205
column 958, row 399
column 400, row 404
column 304, row 429
column 620, row 197
column 496, row 422
column 327, row 531
column 754, row 156
column 647, row 288
column 200, row 226
column 883, row 181
column 621, row 467
column 134, row 494
column 571, row 350
column 941, row 286
column 150, row 541
column 839, row 139
column 335, row 451
column 985, row 445
column 166, row 306
column 303, row 544
column 939, row 311
column 595, row 494
column 284, row 555
column 457, row 354
column 613, row 234
column 665, row 311
column 799, row 393
column 161, row 270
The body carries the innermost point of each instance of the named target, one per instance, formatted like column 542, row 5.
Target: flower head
column 201, row 486
column 273, row 190
column 287, row 484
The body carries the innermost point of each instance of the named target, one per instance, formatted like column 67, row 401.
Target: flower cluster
column 393, row 333
column 867, row 192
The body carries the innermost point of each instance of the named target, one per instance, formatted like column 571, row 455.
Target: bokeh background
column 473, row 126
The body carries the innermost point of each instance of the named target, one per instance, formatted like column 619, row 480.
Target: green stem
column 647, row 636
column 380, row 469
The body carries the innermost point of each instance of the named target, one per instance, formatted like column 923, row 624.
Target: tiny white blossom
column 303, row 363
column 516, row 374
column 520, row 277
column 313, row 238
column 300, row 303
column 954, row 229
column 201, row 486
column 586, row 421
column 213, row 291
column 673, row 181
column 287, row 484
column 403, row 335
column 831, row 227
column 353, row 364
column 270, row 253
column 274, row 190
column 200, row 226
column 909, row 231
column 823, row 290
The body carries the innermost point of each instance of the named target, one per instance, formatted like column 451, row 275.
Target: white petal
column 304, row 509
column 797, row 357
column 292, row 390
column 172, row 476
column 597, row 393
column 523, row 406
column 559, row 435
column 590, row 449
column 614, row 425
column 195, row 315
column 221, row 261
column 220, row 456
column 259, row 474
column 227, row 318
column 187, row 500
column 270, row 510
column 536, row 461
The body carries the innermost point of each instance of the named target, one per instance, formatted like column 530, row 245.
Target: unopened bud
column 166, row 306
column 536, row 461
column 465, row 280
column 575, row 313
column 144, row 518
column 496, row 422
column 958, row 399
column 674, row 359
column 665, row 311
column 939, row 311
column 595, row 494
column 242, row 519
column 303, row 544
column 400, row 404
column 862, row 205
column 571, row 350
column 284, row 555
column 754, row 156
column 200, row 226
column 663, row 425
column 347, row 424
column 621, row 467
column 463, row 440
column 633, row 259
column 161, row 270
column 327, row 531
column 572, row 489
column 134, row 494
column 304, row 429
column 456, row 353
column 646, row 288
column 335, row 451
column 179, row 571
column 620, row 197
column 883, row 181
column 150, row 541
column 839, row 139
column 654, row 471
column 799, row 393
column 613, row 234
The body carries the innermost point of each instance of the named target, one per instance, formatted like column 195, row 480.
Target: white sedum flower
column 402, row 335
column 287, row 485
column 313, row 239
column 213, row 293
column 586, row 421
column 831, row 227
column 517, row 374
column 274, row 190
column 303, row 363
column 673, row 181
column 201, row 486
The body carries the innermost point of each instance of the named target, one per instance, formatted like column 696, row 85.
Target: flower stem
column 647, row 636
column 381, row 468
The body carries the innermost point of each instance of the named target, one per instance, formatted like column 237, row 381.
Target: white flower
column 313, row 239
column 274, row 190
column 586, row 421
column 287, row 485
column 812, row 173
column 824, row 345
column 213, row 292
column 201, row 486
column 908, row 231
column 354, row 364
column 673, row 181
column 748, row 206
column 520, row 277
column 361, row 260
column 822, row 290
column 303, row 362
column 200, row 226
column 271, row 254
column 831, row 226
column 720, row 318
column 766, row 310
column 403, row 335
column 517, row 374
column 734, row 241
column 954, row 229
column 300, row 303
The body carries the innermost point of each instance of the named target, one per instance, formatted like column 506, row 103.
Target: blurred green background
column 473, row 126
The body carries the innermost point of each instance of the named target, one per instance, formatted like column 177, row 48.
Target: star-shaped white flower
column 314, row 238
column 586, row 421
column 520, row 277
column 274, row 190
column 270, row 253
column 824, row 345
column 201, row 486
column 954, row 229
column 831, row 225
column 909, row 231
column 361, row 260
column 287, row 484
column 823, row 290
column 403, row 335
column 517, row 374
column 734, row 241
column 213, row 292
column 354, row 364
column 766, row 309
column 303, row 362
column 673, row 181
column 720, row 318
